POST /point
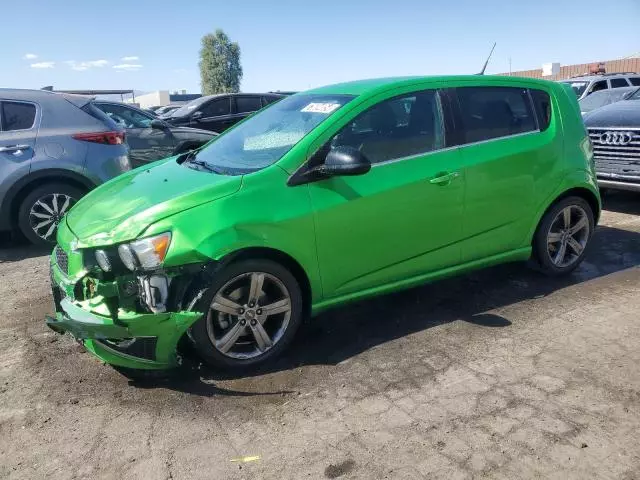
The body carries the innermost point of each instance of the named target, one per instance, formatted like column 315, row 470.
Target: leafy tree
column 220, row 69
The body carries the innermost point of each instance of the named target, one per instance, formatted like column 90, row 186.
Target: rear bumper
column 633, row 187
column 127, row 339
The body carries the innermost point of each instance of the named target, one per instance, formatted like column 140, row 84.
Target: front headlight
column 147, row 253
column 103, row 260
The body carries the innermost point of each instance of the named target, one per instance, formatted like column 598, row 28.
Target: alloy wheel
column 568, row 236
column 249, row 315
column 47, row 212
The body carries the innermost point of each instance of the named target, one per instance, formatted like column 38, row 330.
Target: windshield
column 269, row 134
column 189, row 107
column 578, row 87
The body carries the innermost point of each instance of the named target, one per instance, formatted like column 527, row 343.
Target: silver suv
column 54, row 148
column 588, row 84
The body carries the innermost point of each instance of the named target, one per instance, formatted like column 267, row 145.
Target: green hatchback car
column 328, row 196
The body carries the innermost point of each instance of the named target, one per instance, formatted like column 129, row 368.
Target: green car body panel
column 346, row 237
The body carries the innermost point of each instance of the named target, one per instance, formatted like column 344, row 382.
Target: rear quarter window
column 542, row 106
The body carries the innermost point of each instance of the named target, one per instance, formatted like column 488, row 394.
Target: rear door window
column 18, row 116
column 635, row 81
column 618, row 82
column 247, row 104
column 217, row 107
column 494, row 112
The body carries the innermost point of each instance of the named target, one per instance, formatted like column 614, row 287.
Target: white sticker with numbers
column 321, row 107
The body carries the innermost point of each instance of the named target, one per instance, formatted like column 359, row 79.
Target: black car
column 151, row 138
column 219, row 112
column 615, row 133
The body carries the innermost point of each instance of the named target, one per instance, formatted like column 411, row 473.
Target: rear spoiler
column 77, row 100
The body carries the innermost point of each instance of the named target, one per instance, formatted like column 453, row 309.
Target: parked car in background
column 615, row 133
column 587, row 84
column 151, row 138
column 604, row 97
column 166, row 110
column 54, row 148
column 410, row 180
column 219, row 112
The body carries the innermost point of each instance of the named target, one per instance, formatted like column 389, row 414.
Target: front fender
column 264, row 213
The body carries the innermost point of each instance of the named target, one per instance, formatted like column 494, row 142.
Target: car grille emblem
column 616, row 138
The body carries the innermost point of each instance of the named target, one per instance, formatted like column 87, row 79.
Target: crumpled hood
column 122, row 208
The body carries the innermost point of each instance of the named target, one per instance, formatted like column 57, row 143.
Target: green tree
column 220, row 69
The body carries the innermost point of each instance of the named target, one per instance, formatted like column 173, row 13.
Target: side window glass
column 618, row 82
column 493, row 112
column 216, row 108
column 247, row 104
column 125, row 117
column 635, row 81
column 17, row 116
column 396, row 128
column 542, row 104
column 601, row 85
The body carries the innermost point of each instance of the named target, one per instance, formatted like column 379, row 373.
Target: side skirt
column 521, row 254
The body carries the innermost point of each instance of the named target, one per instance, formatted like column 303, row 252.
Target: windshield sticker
column 325, row 108
column 577, row 84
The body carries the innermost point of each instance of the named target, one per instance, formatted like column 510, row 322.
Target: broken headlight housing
column 145, row 254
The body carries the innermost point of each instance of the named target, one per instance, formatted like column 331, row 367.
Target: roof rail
column 620, row 73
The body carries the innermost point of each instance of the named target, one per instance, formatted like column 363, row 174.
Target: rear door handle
column 13, row 148
column 444, row 178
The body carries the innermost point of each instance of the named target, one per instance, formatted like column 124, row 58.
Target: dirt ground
column 503, row 373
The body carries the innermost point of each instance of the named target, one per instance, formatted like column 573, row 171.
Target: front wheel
column 252, row 310
column 563, row 236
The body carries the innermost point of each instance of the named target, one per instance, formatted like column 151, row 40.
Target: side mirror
column 345, row 161
column 196, row 115
column 158, row 124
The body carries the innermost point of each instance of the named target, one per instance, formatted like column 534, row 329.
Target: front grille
column 62, row 260
column 619, row 160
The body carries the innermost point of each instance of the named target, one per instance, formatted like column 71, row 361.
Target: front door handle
column 444, row 178
column 13, row 148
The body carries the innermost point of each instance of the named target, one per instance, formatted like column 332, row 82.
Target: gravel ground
column 499, row 374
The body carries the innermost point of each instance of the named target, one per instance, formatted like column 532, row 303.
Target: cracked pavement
column 502, row 374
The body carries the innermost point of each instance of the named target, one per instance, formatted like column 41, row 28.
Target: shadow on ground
column 622, row 202
column 16, row 248
column 345, row 332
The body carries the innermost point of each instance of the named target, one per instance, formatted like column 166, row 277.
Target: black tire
column 540, row 245
column 25, row 220
column 199, row 331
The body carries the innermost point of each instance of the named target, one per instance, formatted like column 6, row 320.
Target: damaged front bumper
column 107, row 319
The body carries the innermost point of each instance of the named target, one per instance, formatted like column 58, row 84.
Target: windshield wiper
column 191, row 159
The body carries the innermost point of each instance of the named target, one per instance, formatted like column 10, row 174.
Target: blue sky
column 295, row 45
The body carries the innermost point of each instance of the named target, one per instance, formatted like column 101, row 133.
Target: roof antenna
column 487, row 61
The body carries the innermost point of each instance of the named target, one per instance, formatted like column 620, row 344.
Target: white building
column 163, row 97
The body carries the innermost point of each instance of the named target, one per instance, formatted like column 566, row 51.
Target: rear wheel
column 563, row 236
column 42, row 210
column 252, row 310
